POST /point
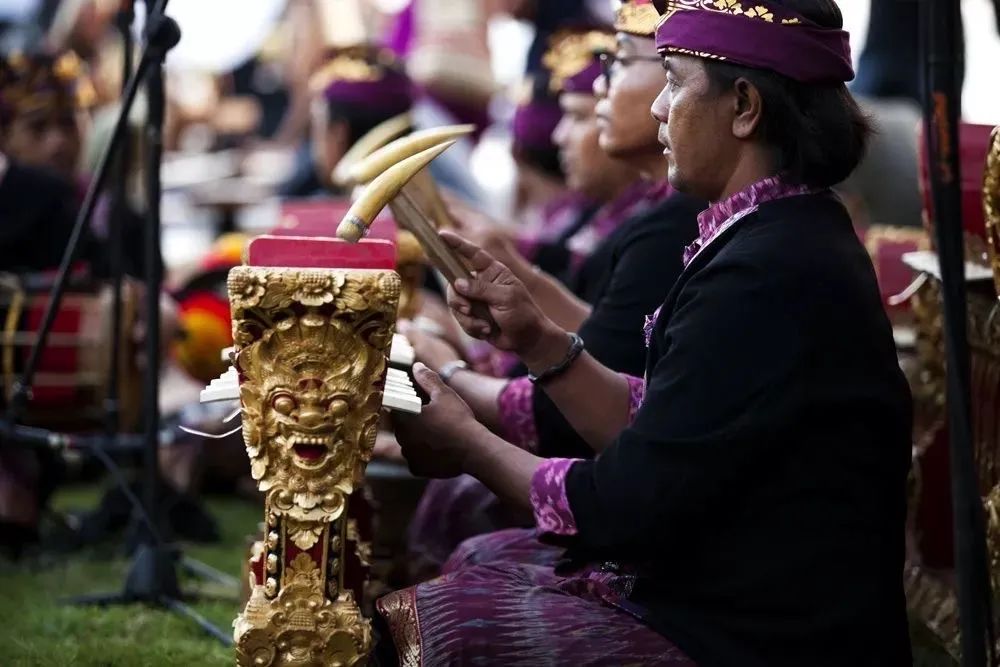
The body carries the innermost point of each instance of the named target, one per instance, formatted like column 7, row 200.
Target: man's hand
column 432, row 351
column 518, row 324
column 437, row 442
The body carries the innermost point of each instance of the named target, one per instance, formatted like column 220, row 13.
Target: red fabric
column 55, row 358
column 316, row 252
column 206, row 301
column 974, row 141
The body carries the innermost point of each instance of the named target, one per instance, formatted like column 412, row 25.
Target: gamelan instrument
column 313, row 326
column 399, row 394
column 71, row 385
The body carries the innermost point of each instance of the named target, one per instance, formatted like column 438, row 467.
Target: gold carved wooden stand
column 311, row 352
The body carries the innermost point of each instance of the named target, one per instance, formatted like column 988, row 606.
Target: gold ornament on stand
column 311, row 352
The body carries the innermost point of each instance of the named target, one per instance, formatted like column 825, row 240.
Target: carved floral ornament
column 991, row 204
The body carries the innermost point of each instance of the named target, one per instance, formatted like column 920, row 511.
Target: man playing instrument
column 752, row 510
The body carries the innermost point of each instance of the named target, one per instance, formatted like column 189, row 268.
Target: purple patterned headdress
column 366, row 77
column 573, row 58
column 535, row 119
column 756, row 33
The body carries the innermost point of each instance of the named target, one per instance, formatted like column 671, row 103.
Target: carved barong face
column 311, row 353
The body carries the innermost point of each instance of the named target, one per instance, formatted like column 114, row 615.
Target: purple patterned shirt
column 517, row 417
column 722, row 215
column 548, row 485
column 553, row 515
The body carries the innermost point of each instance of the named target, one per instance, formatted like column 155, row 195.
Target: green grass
column 37, row 629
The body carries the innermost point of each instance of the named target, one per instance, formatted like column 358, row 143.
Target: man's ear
column 749, row 109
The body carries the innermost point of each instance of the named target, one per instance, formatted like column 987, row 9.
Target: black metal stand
column 941, row 25
column 116, row 228
column 152, row 576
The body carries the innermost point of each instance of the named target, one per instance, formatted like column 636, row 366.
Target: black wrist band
column 575, row 348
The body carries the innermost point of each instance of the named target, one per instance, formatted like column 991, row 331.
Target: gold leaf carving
column 302, row 570
column 305, row 535
column 311, row 353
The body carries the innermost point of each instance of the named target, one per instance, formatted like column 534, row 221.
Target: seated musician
column 626, row 278
column 43, row 98
column 615, row 188
column 543, row 205
column 44, row 102
column 40, row 123
column 39, row 144
column 752, row 512
column 356, row 89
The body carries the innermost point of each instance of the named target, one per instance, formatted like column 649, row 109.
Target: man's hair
column 818, row 131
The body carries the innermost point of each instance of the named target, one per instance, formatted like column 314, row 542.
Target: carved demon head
column 312, row 349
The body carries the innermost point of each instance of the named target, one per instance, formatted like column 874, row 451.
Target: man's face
column 50, row 139
column 577, row 135
column 696, row 129
column 636, row 77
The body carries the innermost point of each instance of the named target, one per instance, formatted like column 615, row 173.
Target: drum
column 71, row 383
column 203, row 311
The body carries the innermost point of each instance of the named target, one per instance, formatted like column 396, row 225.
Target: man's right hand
column 519, row 325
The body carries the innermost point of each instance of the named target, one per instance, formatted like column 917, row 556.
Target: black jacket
column 760, row 491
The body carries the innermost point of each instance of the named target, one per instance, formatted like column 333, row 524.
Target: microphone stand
column 116, row 228
column 152, row 577
column 942, row 105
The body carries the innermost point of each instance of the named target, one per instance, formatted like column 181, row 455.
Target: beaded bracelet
column 575, row 348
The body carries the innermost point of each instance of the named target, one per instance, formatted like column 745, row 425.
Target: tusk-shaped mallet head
column 367, row 169
column 374, row 139
column 382, row 190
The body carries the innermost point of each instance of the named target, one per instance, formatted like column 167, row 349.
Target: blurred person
column 354, row 90
column 44, row 102
column 542, row 204
column 633, row 269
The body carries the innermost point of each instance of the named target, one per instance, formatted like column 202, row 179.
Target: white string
column 216, row 436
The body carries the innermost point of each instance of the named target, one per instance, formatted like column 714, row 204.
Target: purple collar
column 725, row 213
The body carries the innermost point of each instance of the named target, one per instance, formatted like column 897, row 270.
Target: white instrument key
column 401, row 352
column 226, row 387
column 401, row 402
column 399, row 393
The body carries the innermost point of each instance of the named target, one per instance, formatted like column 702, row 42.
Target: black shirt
column 36, row 218
column 625, row 279
column 760, row 491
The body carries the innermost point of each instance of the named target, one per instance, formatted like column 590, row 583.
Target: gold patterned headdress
column 637, row 17
column 364, row 75
column 573, row 58
column 43, row 81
